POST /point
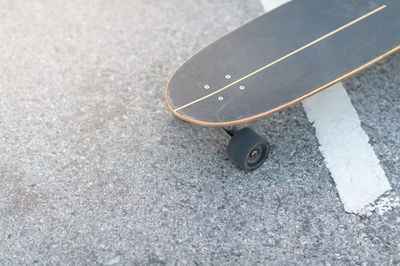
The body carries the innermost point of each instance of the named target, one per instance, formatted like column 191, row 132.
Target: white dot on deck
column 228, row 76
column 220, row 98
column 206, row 87
column 242, row 87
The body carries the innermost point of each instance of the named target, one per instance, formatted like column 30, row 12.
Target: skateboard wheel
column 247, row 149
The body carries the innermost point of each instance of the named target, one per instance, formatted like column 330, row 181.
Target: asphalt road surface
column 95, row 170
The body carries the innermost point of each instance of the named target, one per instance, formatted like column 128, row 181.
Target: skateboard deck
column 281, row 58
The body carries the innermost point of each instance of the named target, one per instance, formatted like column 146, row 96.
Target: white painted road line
column 268, row 5
column 352, row 162
column 359, row 178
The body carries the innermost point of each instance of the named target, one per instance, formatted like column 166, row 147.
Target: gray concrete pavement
column 95, row 170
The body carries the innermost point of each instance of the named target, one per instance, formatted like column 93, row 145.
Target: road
column 95, row 170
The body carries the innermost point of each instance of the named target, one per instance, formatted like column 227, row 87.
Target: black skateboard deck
column 281, row 58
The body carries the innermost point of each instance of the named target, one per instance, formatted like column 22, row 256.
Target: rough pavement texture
column 95, row 170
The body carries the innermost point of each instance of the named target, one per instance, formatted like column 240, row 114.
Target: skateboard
column 276, row 60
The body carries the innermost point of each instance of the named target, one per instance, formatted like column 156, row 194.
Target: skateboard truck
column 246, row 148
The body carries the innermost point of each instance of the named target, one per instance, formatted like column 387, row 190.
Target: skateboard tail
column 237, row 79
column 184, row 117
